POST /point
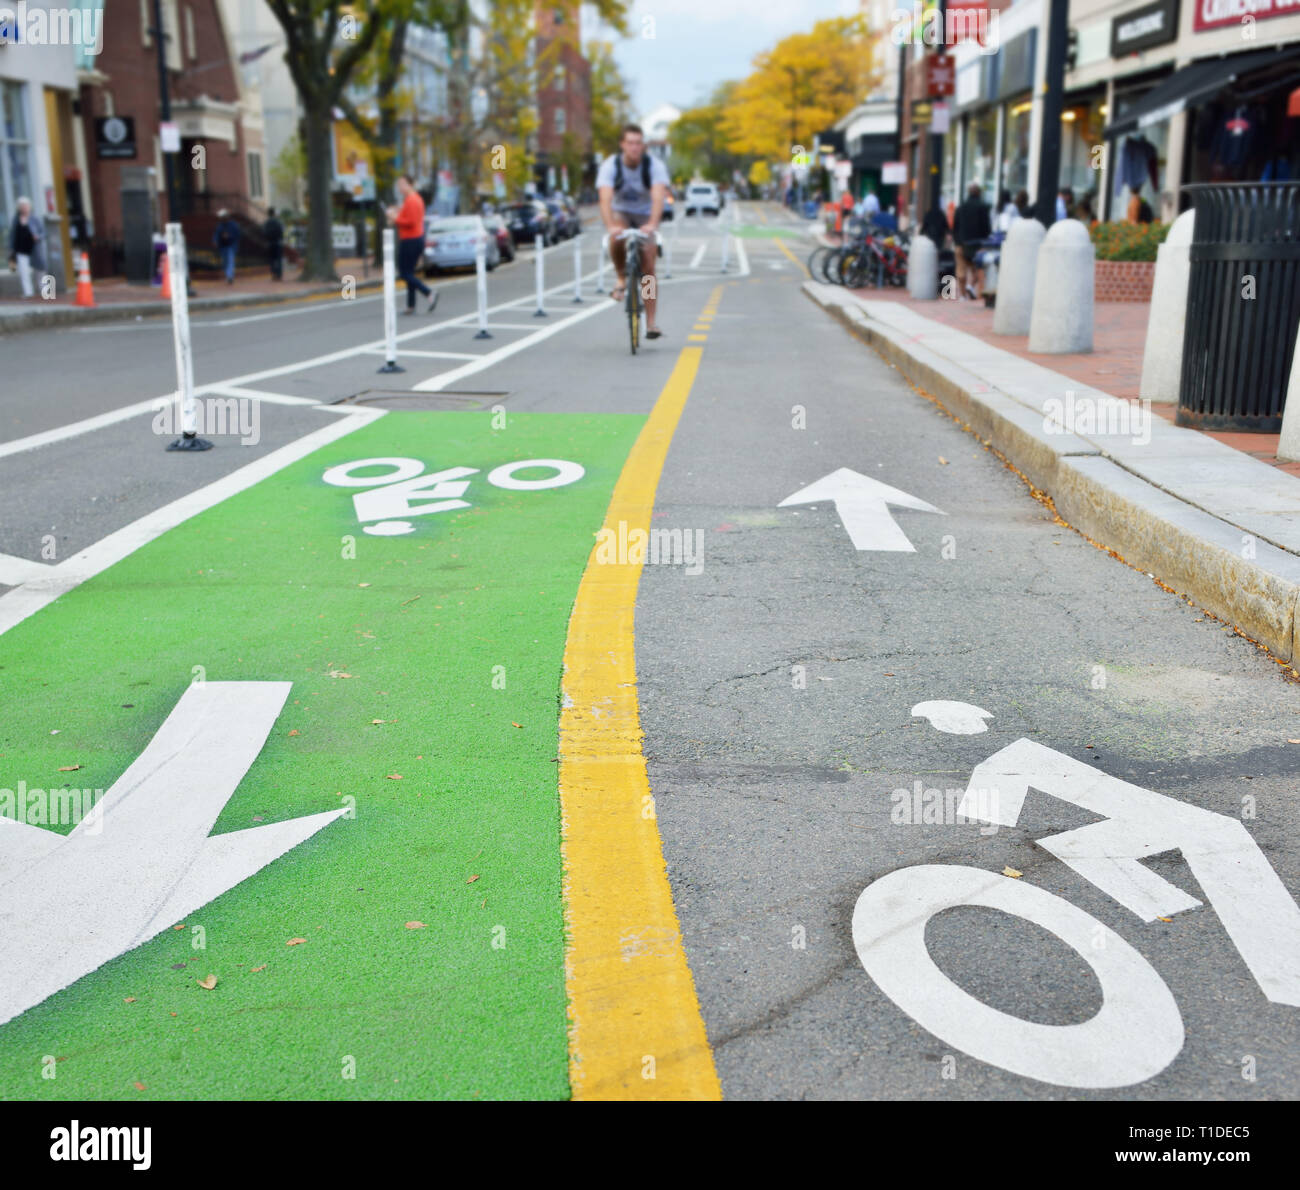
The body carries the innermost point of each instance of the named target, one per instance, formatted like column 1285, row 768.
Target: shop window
column 16, row 180
column 1015, row 146
column 981, row 151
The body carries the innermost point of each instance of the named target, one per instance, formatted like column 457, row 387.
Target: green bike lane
column 411, row 946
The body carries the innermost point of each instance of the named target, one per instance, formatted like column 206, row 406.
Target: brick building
column 563, row 98
column 206, row 102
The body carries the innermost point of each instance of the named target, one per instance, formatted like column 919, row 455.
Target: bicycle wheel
column 831, row 266
column 816, row 259
column 852, row 266
column 634, row 300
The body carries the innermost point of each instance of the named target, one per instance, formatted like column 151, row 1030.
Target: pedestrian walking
column 226, row 240
column 408, row 219
column 273, row 234
column 971, row 226
column 27, row 245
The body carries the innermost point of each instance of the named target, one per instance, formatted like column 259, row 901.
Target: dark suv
column 528, row 220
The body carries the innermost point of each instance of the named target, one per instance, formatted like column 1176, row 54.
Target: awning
column 1200, row 80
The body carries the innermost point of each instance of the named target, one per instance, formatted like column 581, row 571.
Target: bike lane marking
column 636, row 1031
column 412, row 946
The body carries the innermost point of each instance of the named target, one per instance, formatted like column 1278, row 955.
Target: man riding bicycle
column 633, row 185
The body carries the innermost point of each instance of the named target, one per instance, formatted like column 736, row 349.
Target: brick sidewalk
column 1114, row 365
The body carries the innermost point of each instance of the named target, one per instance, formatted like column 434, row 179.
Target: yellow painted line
column 697, row 338
column 635, row 1030
column 780, row 243
column 703, row 326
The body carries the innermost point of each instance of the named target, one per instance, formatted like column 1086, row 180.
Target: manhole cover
column 406, row 399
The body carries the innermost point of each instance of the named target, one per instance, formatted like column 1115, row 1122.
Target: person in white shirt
column 633, row 185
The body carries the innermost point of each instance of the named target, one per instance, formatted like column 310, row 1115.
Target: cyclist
column 632, row 185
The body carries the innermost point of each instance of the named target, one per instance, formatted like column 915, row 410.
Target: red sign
column 1218, row 14
column 940, row 75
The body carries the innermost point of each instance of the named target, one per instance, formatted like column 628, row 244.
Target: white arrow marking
column 143, row 859
column 956, row 718
column 863, row 505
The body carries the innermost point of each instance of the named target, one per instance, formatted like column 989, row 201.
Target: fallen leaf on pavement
column 1165, row 919
column 471, row 880
column 1012, row 873
column 138, row 1086
column 943, row 460
column 295, row 941
column 130, row 1000
column 208, row 983
column 394, row 776
column 294, row 731
column 415, row 925
column 69, row 768
column 514, row 724
column 338, row 673
column 255, row 970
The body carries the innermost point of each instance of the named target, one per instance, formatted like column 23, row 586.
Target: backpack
column 618, row 173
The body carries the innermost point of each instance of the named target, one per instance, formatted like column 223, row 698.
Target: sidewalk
column 115, row 298
column 1114, row 364
column 1192, row 509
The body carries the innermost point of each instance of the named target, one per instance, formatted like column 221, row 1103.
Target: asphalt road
column 777, row 683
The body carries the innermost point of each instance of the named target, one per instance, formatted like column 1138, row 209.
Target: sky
column 697, row 44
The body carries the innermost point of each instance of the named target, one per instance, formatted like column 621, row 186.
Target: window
column 16, row 179
column 559, row 78
column 561, row 121
column 255, row 176
column 191, row 43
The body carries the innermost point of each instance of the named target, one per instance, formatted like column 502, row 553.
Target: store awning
column 1200, row 80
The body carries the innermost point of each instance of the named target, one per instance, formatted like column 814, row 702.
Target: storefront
column 1015, row 84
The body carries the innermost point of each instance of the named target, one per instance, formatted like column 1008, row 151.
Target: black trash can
column 1243, row 305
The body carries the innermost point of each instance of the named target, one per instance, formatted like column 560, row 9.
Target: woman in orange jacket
column 408, row 219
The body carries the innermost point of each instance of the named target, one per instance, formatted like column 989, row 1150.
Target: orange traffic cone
column 85, row 293
column 166, row 276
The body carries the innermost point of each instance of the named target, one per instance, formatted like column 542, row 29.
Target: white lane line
column 742, row 256
column 514, row 326
column 85, row 426
column 437, row 383
column 427, row 354
column 319, row 304
column 16, row 571
column 233, row 390
column 699, row 256
column 26, row 600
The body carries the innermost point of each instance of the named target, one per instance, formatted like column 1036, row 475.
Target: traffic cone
column 85, row 293
column 166, row 276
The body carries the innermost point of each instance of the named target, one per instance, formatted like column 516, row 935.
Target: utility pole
column 1049, row 147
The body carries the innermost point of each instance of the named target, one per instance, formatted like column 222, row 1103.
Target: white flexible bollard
column 480, row 284
column 390, row 303
column 601, row 254
column 1162, row 357
column 539, row 269
column 186, row 409
column 1061, row 320
column 577, row 269
column 1288, row 446
column 1016, row 273
column 923, row 269
column 726, row 249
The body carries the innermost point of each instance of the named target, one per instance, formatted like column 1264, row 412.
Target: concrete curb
column 1185, row 547
column 159, row 308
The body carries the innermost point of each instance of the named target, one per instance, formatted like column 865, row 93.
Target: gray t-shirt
column 634, row 198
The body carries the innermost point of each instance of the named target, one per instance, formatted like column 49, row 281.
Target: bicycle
column 632, row 281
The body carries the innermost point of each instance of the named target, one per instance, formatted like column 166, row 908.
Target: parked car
column 505, row 241
column 703, row 197
column 529, row 219
column 566, row 221
column 450, row 242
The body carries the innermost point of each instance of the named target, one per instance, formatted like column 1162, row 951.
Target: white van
column 703, row 197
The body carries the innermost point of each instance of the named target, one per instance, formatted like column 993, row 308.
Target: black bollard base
column 483, row 335
column 190, row 442
column 392, row 366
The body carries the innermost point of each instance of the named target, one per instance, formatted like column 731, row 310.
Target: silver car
column 451, row 241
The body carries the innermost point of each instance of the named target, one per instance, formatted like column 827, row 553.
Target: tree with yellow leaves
column 799, row 87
